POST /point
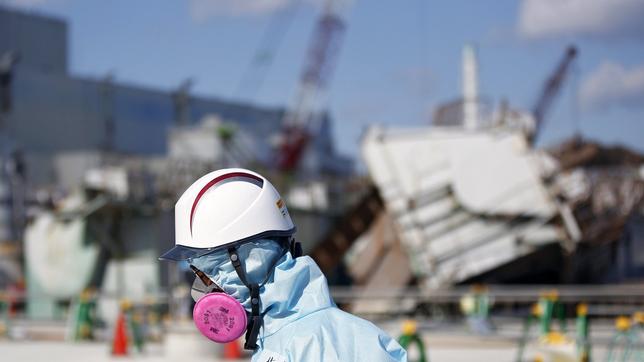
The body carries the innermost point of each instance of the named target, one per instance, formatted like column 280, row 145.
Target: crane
column 299, row 119
column 550, row 90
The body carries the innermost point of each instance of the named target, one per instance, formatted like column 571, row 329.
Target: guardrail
column 500, row 293
column 603, row 300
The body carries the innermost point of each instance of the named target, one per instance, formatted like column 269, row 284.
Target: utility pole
column 107, row 113
column 8, row 62
column 181, row 98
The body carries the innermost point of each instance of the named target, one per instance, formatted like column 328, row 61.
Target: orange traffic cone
column 232, row 350
column 119, row 345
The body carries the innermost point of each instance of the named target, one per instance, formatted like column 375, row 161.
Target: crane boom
column 551, row 89
column 318, row 67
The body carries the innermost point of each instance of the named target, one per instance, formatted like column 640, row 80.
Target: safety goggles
column 202, row 285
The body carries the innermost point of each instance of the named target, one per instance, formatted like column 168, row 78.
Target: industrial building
column 47, row 110
column 66, row 139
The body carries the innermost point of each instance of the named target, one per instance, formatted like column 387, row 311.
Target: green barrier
column 476, row 307
column 542, row 313
column 134, row 320
column 638, row 332
column 83, row 322
column 583, row 334
column 626, row 340
column 550, row 308
column 4, row 316
column 525, row 335
column 410, row 337
column 621, row 341
column 153, row 327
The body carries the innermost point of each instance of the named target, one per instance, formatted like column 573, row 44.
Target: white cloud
column 613, row 85
column 596, row 18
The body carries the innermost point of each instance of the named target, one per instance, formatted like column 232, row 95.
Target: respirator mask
column 217, row 315
column 227, row 283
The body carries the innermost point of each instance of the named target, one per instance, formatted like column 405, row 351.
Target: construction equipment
column 299, row 121
column 550, row 90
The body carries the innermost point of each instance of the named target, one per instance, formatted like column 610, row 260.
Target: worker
column 234, row 230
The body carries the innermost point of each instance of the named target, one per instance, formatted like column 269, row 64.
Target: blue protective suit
column 301, row 321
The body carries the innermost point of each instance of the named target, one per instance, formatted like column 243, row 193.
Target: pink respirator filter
column 220, row 317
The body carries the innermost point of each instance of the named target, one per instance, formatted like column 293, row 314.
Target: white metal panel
column 451, row 221
column 439, row 182
column 429, row 214
column 466, row 236
column 476, row 261
column 496, row 174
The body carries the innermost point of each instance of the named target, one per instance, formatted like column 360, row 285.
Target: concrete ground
column 66, row 352
column 97, row 352
column 441, row 348
column 449, row 343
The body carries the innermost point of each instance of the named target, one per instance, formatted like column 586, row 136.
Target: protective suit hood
column 296, row 288
column 300, row 320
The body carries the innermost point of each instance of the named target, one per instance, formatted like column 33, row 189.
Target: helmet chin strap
column 256, row 319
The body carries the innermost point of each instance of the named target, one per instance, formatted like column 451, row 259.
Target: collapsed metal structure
column 467, row 203
column 473, row 200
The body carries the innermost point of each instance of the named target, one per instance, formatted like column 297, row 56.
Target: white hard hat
column 224, row 208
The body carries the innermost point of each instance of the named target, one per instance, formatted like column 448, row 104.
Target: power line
column 255, row 74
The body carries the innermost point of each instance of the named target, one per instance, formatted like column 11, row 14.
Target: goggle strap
column 234, row 258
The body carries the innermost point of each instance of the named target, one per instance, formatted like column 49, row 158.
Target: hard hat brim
column 182, row 252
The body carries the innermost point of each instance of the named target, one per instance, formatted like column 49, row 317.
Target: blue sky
column 398, row 59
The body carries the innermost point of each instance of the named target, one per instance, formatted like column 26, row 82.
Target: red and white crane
column 298, row 124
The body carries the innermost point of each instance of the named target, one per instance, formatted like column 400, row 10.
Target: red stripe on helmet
column 213, row 183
